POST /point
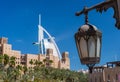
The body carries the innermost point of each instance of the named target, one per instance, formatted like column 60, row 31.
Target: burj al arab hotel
column 45, row 43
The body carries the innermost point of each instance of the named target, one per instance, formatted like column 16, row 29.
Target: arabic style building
column 24, row 59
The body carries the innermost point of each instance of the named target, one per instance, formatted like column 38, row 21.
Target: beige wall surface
column 106, row 74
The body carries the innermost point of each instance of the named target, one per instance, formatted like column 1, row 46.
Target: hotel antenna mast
column 40, row 36
column 40, row 43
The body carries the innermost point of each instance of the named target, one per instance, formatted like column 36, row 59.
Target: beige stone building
column 108, row 73
column 24, row 59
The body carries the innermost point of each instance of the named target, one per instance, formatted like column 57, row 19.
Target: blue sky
column 19, row 21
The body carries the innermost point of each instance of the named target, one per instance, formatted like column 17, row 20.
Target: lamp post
column 88, row 42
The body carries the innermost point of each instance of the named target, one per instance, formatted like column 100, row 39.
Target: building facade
column 108, row 73
column 24, row 59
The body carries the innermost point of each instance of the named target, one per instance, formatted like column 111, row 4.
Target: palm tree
column 45, row 61
column 1, row 58
column 31, row 62
column 6, row 59
column 19, row 68
column 6, row 77
column 36, row 62
column 25, row 69
column 1, row 61
column 39, row 63
column 50, row 62
column 16, row 74
column 42, row 65
column 12, row 61
column 55, row 74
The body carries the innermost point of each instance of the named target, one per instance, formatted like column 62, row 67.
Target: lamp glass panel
column 83, row 47
column 77, row 43
column 91, row 47
column 98, row 47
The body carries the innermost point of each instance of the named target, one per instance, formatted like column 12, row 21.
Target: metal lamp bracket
column 115, row 4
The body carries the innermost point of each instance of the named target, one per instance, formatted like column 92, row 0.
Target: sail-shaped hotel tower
column 45, row 43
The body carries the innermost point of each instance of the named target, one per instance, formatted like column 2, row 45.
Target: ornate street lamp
column 88, row 37
column 88, row 42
